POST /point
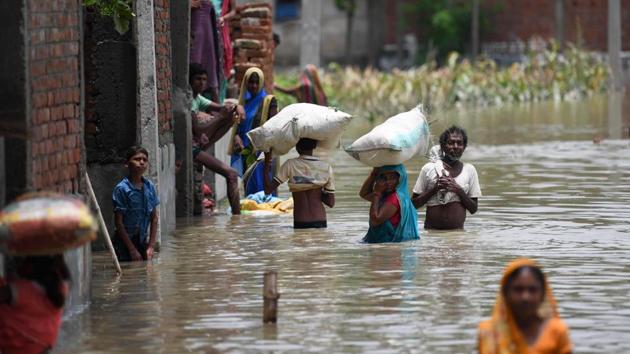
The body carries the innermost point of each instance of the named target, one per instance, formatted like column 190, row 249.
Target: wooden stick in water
column 270, row 297
column 102, row 224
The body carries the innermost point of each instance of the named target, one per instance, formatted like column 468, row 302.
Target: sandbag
column 45, row 223
column 300, row 120
column 394, row 141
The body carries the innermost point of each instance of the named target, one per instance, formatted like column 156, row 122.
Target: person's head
column 137, row 160
column 276, row 40
column 524, row 291
column 453, row 142
column 48, row 271
column 390, row 178
column 306, row 145
column 253, row 83
column 197, row 77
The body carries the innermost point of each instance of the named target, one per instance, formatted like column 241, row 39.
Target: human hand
column 195, row 3
column 240, row 113
column 135, row 255
column 238, row 144
column 149, row 253
column 268, row 157
column 222, row 21
column 203, row 140
column 379, row 187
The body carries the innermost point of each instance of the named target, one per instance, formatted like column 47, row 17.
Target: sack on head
column 394, row 141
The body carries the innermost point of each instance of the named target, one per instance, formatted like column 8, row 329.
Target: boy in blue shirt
column 135, row 200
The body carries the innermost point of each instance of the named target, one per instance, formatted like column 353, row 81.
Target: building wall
column 54, row 60
column 333, row 29
column 584, row 20
column 54, row 108
column 166, row 124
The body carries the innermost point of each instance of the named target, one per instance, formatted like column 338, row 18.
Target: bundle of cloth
column 261, row 202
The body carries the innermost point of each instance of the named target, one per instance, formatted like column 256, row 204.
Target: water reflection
column 550, row 193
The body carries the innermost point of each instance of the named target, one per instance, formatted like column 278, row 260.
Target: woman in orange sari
column 525, row 319
column 309, row 89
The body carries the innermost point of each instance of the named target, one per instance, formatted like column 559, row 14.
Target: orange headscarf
column 500, row 334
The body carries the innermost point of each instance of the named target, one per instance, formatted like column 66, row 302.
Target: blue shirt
column 136, row 205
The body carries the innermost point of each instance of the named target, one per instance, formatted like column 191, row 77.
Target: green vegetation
column 121, row 12
column 545, row 75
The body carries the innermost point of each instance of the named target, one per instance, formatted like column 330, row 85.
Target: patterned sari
column 310, row 88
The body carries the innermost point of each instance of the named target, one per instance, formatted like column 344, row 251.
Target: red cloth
column 393, row 200
column 228, row 60
column 31, row 322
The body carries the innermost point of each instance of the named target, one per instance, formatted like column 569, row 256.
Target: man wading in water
column 447, row 186
column 311, row 183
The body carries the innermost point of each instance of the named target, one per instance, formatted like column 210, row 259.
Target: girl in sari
column 392, row 215
column 309, row 88
column 253, row 178
column 251, row 97
column 525, row 319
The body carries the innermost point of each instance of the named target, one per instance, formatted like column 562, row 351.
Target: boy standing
column 311, row 183
column 135, row 199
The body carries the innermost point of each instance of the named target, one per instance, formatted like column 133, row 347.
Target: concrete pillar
column 147, row 114
column 615, row 115
column 182, row 97
column 311, row 33
column 614, row 42
column 559, row 22
column 375, row 37
column 474, row 30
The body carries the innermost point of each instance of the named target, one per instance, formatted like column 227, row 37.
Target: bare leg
column 230, row 175
column 214, row 126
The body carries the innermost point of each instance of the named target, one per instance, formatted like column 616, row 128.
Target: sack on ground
column 45, row 223
column 394, row 141
column 300, row 120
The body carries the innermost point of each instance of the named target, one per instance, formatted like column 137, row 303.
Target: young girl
column 392, row 215
column 31, row 304
column 525, row 318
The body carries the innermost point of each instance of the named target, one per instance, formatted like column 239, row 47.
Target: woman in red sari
column 309, row 88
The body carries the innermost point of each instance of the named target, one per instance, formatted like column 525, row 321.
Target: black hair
column 538, row 274
column 276, row 39
column 195, row 69
column 50, row 272
column 273, row 102
column 134, row 150
column 453, row 130
column 306, row 144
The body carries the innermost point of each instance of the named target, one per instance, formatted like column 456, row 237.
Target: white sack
column 300, row 120
column 394, row 141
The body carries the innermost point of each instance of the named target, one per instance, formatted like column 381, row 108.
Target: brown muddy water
column 550, row 193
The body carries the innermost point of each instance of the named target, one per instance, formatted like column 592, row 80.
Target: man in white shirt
column 447, row 186
column 311, row 183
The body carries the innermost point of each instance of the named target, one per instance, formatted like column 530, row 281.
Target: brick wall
column 55, row 94
column 163, row 66
column 585, row 19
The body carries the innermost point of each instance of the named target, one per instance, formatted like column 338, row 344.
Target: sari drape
column 407, row 229
column 501, row 335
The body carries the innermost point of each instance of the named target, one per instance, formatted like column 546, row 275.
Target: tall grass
column 544, row 75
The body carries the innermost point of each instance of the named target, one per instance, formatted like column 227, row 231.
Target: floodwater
column 550, row 193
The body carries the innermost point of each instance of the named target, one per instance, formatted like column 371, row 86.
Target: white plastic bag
column 394, row 141
column 300, row 120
